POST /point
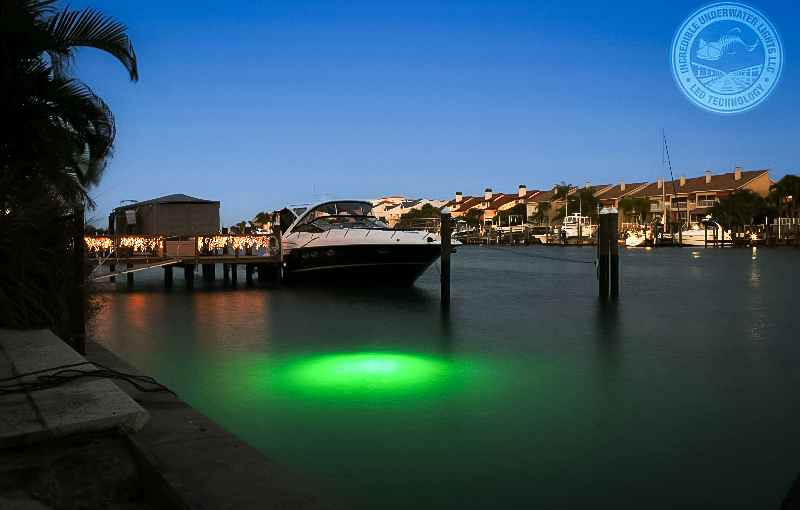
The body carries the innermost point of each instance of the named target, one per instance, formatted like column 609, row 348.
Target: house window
column 679, row 203
column 706, row 200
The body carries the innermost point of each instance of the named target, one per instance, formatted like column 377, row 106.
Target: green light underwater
column 365, row 374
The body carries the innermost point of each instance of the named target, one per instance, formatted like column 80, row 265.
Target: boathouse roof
column 178, row 198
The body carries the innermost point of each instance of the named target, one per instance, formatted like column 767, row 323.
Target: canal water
column 682, row 393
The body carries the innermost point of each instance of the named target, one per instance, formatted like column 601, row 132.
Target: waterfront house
column 611, row 196
column 389, row 210
column 691, row 200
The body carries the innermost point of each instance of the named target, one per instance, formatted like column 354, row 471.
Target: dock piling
column 446, row 252
column 613, row 243
column 603, row 252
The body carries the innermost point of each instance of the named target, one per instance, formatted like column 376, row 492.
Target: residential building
column 691, row 200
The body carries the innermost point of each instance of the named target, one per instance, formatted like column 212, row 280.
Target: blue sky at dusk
column 264, row 104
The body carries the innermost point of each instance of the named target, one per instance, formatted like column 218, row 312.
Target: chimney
column 737, row 173
column 459, row 196
column 660, row 183
column 522, row 191
column 708, row 176
column 683, row 179
column 622, row 185
column 588, row 185
column 488, row 194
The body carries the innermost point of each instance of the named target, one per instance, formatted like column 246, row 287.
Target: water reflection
column 607, row 324
column 376, row 393
column 227, row 322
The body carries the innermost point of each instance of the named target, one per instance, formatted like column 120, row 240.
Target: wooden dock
column 116, row 255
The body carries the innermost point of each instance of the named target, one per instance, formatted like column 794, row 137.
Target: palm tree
column 627, row 205
column 642, row 207
column 786, row 193
column 542, row 213
column 638, row 207
column 561, row 195
column 56, row 135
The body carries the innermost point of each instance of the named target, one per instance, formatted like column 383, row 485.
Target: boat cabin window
column 340, row 215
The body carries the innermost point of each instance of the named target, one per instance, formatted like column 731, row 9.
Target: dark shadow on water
column 607, row 324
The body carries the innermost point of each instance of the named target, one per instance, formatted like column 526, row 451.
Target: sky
column 260, row 104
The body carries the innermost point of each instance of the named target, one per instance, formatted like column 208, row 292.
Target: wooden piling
column 188, row 274
column 278, row 255
column 613, row 244
column 209, row 271
column 603, row 252
column 446, row 252
column 168, row 277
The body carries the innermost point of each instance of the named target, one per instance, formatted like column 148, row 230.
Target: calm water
column 683, row 393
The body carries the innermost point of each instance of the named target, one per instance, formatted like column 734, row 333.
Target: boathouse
column 172, row 215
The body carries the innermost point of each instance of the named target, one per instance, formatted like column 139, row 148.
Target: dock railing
column 135, row 253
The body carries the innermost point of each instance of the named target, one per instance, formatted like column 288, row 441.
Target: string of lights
column 141, row 243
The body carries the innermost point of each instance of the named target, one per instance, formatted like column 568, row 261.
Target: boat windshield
column 333, row 215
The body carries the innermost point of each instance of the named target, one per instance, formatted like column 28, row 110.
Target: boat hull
column 360, row 264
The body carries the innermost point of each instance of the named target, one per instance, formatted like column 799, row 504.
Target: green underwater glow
column 362, row 375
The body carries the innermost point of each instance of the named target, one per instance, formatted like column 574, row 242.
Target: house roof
column 616, row 192
column 547, row 195
column 723, row 182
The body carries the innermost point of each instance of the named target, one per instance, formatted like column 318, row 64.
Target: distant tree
column 542, row 213
column 420, row 218
column 739, row 208
column 561, row 195
column 520, row 210
column 238, row 228
column 584, row 202
column 474, row 217
column 262, row 220
column 636, row 207
column 785, row 194
column 642, row 207
column 627, row 205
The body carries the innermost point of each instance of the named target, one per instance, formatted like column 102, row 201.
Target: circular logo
column 727, row 57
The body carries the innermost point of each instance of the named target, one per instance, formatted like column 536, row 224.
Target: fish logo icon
column 727, row 57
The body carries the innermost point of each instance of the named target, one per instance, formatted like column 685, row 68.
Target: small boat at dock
column 577, row 225
column 707, row 232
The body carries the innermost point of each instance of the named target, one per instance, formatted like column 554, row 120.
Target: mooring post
column 168, row 277
column 278, row 255
column 602, row 252
column 446, row 252
column 613, row 243
column 188, row 274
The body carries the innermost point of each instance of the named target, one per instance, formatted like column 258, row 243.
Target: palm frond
column 93, row 29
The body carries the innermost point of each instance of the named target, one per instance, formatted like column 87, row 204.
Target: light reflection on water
column 531, row 392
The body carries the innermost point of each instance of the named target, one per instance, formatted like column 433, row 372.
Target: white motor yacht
column 342, row 242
